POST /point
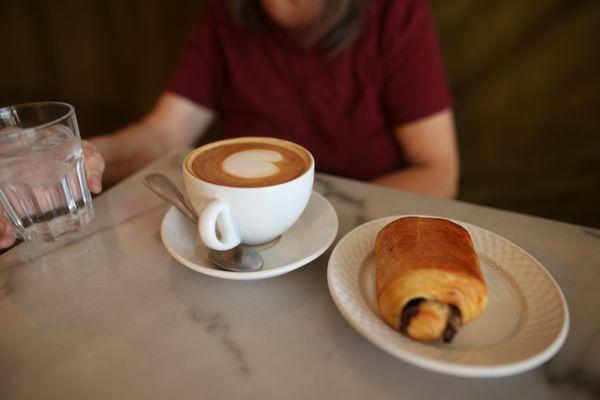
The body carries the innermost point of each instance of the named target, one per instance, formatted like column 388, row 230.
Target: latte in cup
column 248, row 190
column 255, row 163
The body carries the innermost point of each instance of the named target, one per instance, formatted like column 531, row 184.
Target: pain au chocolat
column 428, row 280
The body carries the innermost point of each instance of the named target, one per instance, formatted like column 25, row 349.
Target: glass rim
column 70, row 112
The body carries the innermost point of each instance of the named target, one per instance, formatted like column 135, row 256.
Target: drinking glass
column 43, row 189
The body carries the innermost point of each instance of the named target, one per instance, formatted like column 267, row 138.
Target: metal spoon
column 239, row 259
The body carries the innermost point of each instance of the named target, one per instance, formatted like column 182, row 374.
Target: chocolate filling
column 454, row 320
column 411, row 309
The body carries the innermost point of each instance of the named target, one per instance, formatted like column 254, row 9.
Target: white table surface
column 109, row 314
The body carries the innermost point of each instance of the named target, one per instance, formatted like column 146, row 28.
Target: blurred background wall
column 525, row 75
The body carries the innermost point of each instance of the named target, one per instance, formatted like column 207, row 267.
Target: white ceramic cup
column 246, row 215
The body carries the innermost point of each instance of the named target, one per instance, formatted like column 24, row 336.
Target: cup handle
column 218, row 214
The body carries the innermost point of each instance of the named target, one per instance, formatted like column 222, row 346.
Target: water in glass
column 43, row 190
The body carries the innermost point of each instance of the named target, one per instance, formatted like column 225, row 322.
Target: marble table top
column 108, row 314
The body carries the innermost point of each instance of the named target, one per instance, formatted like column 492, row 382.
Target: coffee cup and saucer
column 254, row 191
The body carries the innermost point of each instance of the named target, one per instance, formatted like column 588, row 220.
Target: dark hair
column 336, row 27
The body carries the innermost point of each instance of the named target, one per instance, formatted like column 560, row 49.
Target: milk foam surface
column 250, row 163
column 255, row 163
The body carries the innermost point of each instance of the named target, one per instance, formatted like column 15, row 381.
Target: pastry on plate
column 428, row 280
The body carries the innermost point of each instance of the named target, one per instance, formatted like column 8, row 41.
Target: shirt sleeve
column 198, row 75
column 415, row 83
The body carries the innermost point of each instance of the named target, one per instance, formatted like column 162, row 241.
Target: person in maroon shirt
column 359, row 83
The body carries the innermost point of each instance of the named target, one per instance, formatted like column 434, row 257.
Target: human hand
column 94, row 166
column 6, row 237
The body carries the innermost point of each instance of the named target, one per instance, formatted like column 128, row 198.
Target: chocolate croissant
column 428, row 280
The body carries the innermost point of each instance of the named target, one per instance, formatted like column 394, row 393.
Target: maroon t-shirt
column 342, row 108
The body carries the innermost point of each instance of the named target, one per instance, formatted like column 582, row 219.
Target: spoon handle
column 166, row 190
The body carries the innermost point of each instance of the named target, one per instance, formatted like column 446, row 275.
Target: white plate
column 307, row 239
column 524, row 324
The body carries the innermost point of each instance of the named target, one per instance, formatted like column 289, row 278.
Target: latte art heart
column 250, row 164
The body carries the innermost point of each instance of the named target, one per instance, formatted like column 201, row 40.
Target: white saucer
column 524, row 324
column 307, row 239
